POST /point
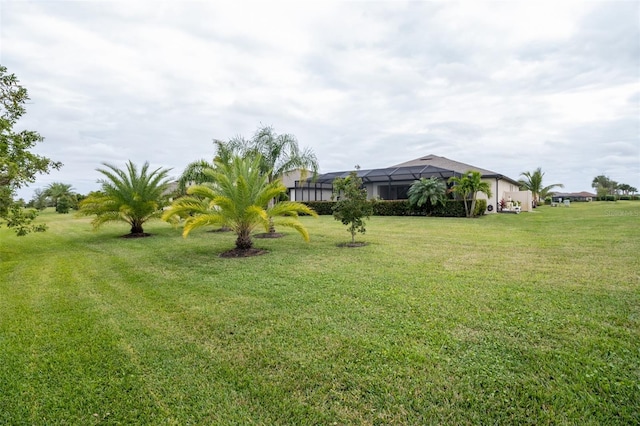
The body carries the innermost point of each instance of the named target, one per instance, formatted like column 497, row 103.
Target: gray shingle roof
column 444, row 163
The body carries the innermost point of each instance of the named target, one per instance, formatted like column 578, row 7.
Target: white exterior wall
column 500, row 187
column 525, row 198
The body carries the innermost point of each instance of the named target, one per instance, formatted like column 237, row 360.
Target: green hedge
column 451, row 208
column 321, row 207
column 391, row 208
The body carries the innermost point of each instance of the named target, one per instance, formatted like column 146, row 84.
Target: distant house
column 392, row 183
column 572, row 196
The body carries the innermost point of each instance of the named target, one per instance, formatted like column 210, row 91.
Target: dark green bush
column 391, row 208
column 451, row 208
column 625, row 197
column 481, row 208
column 64, row 205
column 321, row 207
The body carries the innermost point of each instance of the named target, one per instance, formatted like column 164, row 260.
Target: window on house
column 394, row 192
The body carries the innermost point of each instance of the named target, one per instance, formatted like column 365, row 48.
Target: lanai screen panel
column 392, row 174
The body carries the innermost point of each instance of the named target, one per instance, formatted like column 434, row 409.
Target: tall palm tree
column 467, row 187
column 238, row 197
column 194, row 172
column 425, row 191
column 127, row 195
column 533, row 182
column 279, row 155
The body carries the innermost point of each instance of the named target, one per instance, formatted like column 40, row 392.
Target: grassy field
column 507, row 319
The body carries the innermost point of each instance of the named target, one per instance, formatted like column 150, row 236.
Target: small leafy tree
column 18, row 165
column 352, row 207
column 467, row 187
column 64, row 204
column 129, row 196
column 432, row 191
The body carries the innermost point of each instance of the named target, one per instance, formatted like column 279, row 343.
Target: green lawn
column 507, row 319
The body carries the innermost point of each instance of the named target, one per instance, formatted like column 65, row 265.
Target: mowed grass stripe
column 507, row 319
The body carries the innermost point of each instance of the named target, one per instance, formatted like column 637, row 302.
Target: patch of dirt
column 136, row 235
column 268, row 235
column 243, row 253
column 351, row 245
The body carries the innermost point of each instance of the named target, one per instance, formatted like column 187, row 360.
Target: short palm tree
column 533, row 182
column 127, row 195
column 57, row 190
column 238, row 197
column 423, row 191
column 468, row 186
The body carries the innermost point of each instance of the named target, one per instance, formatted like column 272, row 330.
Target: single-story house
column 572, row 196
column 392, row 183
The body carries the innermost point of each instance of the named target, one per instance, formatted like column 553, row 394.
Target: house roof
column 584, row 194
column 445, row 163
column 457, row 166
column 423, row 167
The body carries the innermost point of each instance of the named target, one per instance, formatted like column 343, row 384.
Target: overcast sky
column 505, row 86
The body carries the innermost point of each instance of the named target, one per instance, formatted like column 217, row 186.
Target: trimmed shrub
column 481, row 208
column 391, row 207
column 451, row 208
column 321, row 207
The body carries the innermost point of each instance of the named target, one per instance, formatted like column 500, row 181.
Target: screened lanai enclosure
column 386, row 184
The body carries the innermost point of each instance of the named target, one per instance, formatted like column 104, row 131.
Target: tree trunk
column 243, row 242
column 472, row 208
column 272, row 228
column 466, row 207
column 136, row 228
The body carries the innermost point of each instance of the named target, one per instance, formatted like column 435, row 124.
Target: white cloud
column 507, row 86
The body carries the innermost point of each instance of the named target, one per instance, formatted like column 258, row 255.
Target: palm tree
column 604, row 185
column 238, row 197
column 57, row 190
column 279, row 155
column 194, row 172
column 425, row 191
column 127, row 195
column 468, row 186
column 533, row 183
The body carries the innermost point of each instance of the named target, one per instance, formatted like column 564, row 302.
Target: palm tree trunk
column 136, row 228
column 243, row 242
column 272, row 227
column 466, row 207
